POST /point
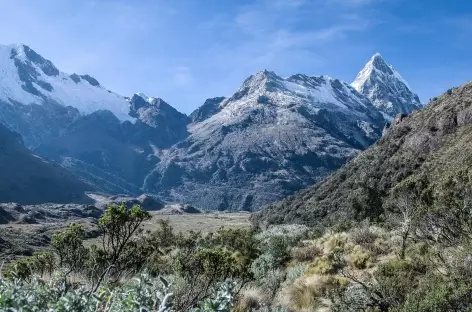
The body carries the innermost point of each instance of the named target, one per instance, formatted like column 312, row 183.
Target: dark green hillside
column 28, row 179
column 430, row 148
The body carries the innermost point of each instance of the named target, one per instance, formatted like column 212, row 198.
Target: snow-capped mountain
column 28, row 78
column 386, row 88
column 116, row 156
column 273, row 137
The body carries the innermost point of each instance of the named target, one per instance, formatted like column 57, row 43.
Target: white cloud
column 182, row 76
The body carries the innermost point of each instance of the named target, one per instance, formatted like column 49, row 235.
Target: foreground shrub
column 278, row 240
column 398, row 278
column 353, row 298
column 199, row 274
column 40, row 263
column 444, row 296
column 294, row 272
column 141, row 294
column 69, row 247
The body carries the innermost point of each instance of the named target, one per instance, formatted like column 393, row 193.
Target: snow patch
column 83, row 96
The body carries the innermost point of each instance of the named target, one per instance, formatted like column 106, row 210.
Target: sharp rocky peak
column 141, row 100
column 147, row 109
column 385, row 88
column 261, row 78
column 380, row 64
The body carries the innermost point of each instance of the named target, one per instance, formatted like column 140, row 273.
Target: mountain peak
column 385, row 87
column 27, row 78
column 146, row 108
column 376, row 56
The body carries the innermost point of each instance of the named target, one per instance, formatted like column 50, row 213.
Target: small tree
column 69, row 248
column 118, row 225
column 405, row 201
column 202, row 272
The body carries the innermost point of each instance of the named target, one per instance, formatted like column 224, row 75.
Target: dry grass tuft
column 359, row 258
column 308, row 293
column 306, row 253
column 251, row 298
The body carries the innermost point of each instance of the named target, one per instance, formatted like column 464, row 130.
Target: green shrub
column 69, row 248
column 321, row 265
column 140, row 294
column 398, row 278
column 263, row 265
column 200, row 273
column 439, row 295
column 40, row 263
column 294, row 272
column 237, row 240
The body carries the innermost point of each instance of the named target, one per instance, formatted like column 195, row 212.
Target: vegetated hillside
column 29, row 179
column 430, row 148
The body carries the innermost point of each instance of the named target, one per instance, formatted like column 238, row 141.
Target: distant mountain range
column 271, row 138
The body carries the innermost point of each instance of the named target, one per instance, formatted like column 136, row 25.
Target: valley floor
column 21, row 238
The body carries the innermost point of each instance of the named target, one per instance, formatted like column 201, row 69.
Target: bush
column 252, row 298
column 334, row 243
column 262, row 265
column 306, row 253
column 199, row 274
column 293, row 273
column 444, row 296
column 359, row 258
column 69, row 248
column 398, row 278
column 352, row 298
column 364, row 236
column 39, row 263
column 141, row 294
column 321, row 266
column 237, row 240
column 271, row 282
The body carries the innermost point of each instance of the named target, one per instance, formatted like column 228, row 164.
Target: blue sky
column 188, row 50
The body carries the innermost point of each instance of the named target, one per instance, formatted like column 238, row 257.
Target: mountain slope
column 115, row 157
column 94, row 147
column 271, row 138
column 429, row 147
column 29, row 179
column 157, row 123
column 384, row 86
column 38, row 100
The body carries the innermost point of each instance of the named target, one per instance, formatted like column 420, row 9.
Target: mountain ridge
column 426, row 149
column 272, row 137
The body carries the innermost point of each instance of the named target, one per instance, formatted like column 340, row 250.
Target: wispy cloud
column 182, row 76
column 275, row 34
column 184, row 51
